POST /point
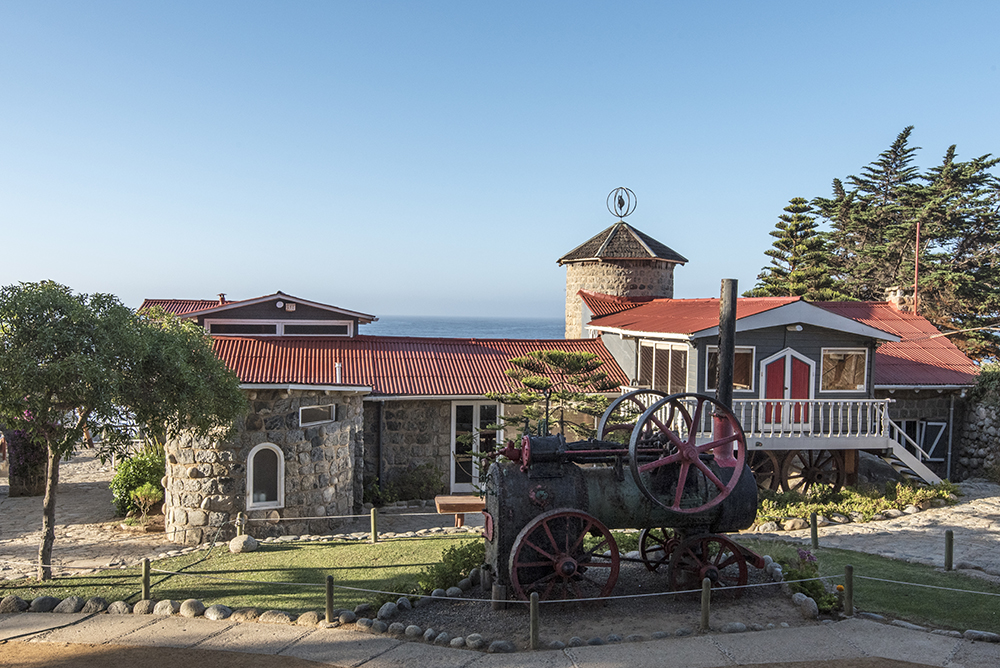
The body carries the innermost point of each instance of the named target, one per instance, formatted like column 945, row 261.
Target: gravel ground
column 642, row 616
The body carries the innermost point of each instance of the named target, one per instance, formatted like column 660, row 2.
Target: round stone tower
column 620, row 261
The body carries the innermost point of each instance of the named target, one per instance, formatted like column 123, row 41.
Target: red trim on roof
column 394, row 365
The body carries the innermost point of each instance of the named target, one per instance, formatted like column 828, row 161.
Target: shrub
column 148, row 466
column 805, row 568
column 419, row 482
column 456, row 562
column 145, row 497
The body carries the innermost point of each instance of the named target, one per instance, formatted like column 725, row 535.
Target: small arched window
column 265, row 477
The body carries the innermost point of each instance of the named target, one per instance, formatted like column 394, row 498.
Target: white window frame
column 822, row 358
column 753, row 367
column 266, row 505
column 333, row 410
column 467, row 488
column 279, row 326
column 664, row 345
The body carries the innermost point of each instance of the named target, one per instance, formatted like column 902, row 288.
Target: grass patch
column 867, row 501
column 955, row 610
column 395, row 565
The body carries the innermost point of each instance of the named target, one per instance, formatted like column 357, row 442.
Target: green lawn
column 267, row 578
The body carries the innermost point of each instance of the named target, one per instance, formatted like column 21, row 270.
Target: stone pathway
column 89, row 537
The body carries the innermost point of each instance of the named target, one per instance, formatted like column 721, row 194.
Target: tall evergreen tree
column 873, row 221
column 800, row 260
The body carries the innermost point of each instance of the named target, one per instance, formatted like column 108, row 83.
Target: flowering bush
column 806, row 569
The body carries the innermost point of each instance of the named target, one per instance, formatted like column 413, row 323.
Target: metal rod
column 329, row 599
column 533, row 641
column 706, row 603
column 813, row 530
column 374, row 536
column 949, row 548
column 145, row 579
column 849, row 590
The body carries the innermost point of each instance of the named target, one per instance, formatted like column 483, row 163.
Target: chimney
column 222, row 298
column 900, row 298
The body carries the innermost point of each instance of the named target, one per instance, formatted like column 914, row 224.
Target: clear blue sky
column 436, row 158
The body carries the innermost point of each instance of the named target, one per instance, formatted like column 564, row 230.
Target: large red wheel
column 806, row 471
column 671, row 468
column 621, row 415
column 707, row 556
column 551, row 556
column 656, row 546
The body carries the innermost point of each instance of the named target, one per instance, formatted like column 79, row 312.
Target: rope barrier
column 341, row 517
column 915, row 584
column 231, row 580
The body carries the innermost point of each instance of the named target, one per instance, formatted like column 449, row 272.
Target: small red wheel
column 707, row 556
column 551, row 556
column 621, row 415
column 655, row 547
column 671, row 468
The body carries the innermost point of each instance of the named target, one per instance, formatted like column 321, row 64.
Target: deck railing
column 846, row 418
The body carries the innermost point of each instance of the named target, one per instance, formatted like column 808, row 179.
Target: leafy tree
column 800, row 259
column 73, row 361
column 873, row 221
column 557, row 383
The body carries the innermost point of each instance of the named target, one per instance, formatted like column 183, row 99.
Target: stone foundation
column 978, row 446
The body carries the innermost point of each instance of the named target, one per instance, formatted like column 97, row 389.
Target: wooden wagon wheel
column 667, row 461
column 766, row 467
column 656, row 546
column 805, row 471
column 550, row 557
column 621, row 415
column 707, row 556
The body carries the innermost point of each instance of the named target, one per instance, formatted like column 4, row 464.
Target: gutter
column 351, row 389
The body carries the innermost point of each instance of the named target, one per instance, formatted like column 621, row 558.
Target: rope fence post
column 329, row 599
column 813, row 530
column 533, row 623
column 849, row 590
column 949, row 549
column 145, row 579
column 706, row 602
column 374, row 536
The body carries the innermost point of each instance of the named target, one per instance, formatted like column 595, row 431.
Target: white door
column 470, row 433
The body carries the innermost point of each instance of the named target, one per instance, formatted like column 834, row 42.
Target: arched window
column 265, row 477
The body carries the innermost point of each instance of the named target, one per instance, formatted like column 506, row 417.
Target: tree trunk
column 48, row 516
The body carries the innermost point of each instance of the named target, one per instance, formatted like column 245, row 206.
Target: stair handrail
column 896, row 429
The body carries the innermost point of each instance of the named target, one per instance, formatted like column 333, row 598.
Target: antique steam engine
column 674, row 466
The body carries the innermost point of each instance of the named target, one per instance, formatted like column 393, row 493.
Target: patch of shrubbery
column 867, row 500
column 148, row 466
column 455, row 564
column 804, row 569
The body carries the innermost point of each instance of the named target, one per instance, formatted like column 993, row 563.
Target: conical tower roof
column 621, row 241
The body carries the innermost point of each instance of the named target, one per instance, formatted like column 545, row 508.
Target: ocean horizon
column 465, row 327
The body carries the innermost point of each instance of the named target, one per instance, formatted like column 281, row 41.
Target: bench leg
column 459, row 519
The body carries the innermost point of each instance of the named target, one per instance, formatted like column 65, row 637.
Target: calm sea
column 472, row 328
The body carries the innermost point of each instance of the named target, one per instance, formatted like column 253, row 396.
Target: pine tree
column 873, row 221
column 799, row 258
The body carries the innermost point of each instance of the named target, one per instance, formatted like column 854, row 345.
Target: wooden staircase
column 901, row 457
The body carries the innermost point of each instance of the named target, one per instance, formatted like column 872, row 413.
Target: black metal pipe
column 727, row 342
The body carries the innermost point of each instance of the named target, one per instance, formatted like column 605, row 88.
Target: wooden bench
column 458, row 505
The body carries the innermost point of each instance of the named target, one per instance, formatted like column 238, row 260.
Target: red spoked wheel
column 671, row 468
column 656, row 546
column 707, row 556
column 553, row 556
column 621, row 415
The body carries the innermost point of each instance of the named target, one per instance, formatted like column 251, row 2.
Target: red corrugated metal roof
column 684, row 316
column 180, row 306
column 922, row 357
column 394, row 365
column 602, row 305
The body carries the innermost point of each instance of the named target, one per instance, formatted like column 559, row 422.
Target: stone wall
column 206, row 481
column 410, row 433
column 978, row 446
column 924, row 405
column 622, row 278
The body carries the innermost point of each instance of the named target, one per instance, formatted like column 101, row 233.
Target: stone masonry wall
column 635, row 278
column 206, row 481
column 412, row 433
column 978, row 443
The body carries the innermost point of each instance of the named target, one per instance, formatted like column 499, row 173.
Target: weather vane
column 621, row 202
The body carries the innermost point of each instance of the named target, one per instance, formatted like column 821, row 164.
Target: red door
column 774, row 388
column 787, row 377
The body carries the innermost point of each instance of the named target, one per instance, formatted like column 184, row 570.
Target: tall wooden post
column 727, row 343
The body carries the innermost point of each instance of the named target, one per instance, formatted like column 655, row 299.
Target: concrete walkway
column 842, row 643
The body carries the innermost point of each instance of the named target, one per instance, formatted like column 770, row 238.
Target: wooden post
column 374, row 535
column 329, row 599
column 145, row 579
column 499, row 597
column 706, row 602
column 813, row 530
column 533, row 623
column 849, row 590
column 727, row 343
column 949, row 549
